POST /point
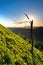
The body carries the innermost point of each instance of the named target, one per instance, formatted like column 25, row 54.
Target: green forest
column 14, row 50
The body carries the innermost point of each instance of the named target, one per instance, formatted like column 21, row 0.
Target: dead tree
column 31, row 33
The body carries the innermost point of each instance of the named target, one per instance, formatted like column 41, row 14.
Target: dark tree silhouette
column 31, row 33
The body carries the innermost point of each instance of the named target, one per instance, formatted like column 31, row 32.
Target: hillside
column 14, row 50
column 25, row 34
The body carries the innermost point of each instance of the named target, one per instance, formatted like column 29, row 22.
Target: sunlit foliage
column 14, row 50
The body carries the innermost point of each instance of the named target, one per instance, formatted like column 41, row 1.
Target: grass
column 14, row 50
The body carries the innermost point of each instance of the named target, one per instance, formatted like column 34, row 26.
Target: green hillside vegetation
column 14, row 50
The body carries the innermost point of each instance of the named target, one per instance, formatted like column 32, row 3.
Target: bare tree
column 31, row 24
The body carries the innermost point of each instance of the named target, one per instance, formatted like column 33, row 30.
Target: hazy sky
column 13, row 10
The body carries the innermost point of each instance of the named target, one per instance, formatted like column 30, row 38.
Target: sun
column 32, row 18
column 36, row 21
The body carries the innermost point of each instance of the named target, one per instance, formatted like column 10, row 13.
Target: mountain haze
column 25, row 32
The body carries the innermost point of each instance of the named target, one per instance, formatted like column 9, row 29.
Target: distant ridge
column 25, row 32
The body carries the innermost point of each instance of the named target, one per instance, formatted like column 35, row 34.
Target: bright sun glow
column 36, row 21
column 8, row 23
column 32, row 18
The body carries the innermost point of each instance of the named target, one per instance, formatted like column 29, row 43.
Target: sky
column 12, row 12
